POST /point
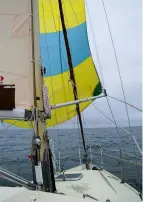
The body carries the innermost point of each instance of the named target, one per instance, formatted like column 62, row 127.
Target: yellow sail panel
column 15, row 49
column 50, row 15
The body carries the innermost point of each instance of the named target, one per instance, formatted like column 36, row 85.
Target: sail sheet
column 54, row 56
column 16, row 50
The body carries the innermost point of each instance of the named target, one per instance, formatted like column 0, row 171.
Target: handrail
column 121, row 159
column 101, row 153
column 79, row 147
column 93, row 146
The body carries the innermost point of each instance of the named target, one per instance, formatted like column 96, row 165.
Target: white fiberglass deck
column 95, row 185
column 23, row 195
column 101, row 185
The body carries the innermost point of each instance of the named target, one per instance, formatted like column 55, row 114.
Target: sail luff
column 72, row 76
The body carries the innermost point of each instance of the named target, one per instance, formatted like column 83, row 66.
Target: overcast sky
column 125, row 22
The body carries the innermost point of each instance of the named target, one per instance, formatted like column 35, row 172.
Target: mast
column 72, row 77
column 42, row 157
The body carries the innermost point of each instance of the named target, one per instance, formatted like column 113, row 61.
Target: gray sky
column 125, row 22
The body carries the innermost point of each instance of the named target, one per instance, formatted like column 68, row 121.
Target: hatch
column 69, row 177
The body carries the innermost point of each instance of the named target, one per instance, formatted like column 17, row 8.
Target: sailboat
column 47, row 77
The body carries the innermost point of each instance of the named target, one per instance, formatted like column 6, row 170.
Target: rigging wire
column 100, row 63
column 133, row 138
column 78, row 23
column 101, row 72
column 81, row 38
column 95, row 45
column 118, row 67
column 9, row 126
column 126, row 103
column 76, row 122
column 137, row 169
column 74, row 12
column 113, row 121
column 85, row 30
column 92, row 104
column 71, row 71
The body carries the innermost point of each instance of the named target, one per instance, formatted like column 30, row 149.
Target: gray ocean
column 15, row 147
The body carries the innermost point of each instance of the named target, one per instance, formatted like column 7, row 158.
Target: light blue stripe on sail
column 53, row 51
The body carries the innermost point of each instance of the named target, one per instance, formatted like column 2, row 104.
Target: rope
column 115, row 123
column 47, row 108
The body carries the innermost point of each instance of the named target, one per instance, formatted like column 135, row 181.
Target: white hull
column 95, row 185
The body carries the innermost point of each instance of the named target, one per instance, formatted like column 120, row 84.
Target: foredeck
column 99, row 185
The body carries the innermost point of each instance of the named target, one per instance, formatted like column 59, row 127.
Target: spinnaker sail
column 54, row 56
